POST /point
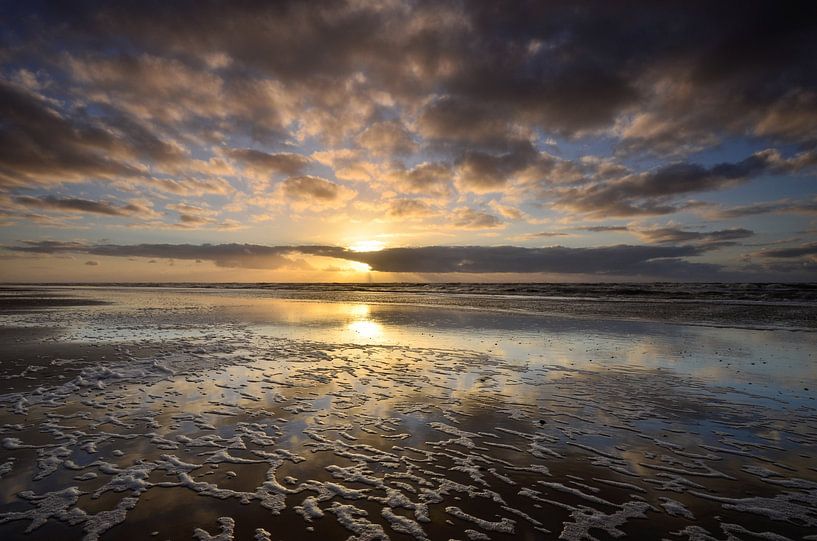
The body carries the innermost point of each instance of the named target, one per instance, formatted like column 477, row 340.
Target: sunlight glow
column 356, row 266
column 367, row 246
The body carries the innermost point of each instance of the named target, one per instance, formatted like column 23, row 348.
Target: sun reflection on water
column 366, row 328
column 363, row 325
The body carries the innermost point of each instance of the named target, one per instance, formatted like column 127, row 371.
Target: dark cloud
column 40, row 145
column 282, row 163
column 44, row 143
column 193, row 219
column 74, row 204
column 406, row 208
column 50, row 247
column 315, row 187
column 782, row 206
column 551, row 65
column 471, row 74
column 315, row 190
column 546, row 235
column 643, row 261
column 672, row 235
column 798, row 260
column 677, row 236
column 622, row 260
column 453, row 120
column 138, row 140
column 602, row 228
column 484, row 172
column 805, row 250
column 176, row 93
column 652, row 193
column 196, row 217
column 427, row 178
column 224, row 255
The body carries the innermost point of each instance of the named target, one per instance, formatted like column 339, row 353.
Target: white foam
column 101, row 522
column 227, row 525
column 262, row 535
column 51, row 504
column 587, row 518
column 309, row 509
column 403, row 524
column 676, row 508
column 351, row 518
column 505, row 525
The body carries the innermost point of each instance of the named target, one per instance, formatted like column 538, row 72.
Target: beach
column 408, row 412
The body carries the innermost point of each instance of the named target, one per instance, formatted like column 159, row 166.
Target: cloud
column 195, row 217
column 602, row 228
column 621, row 260
column 508, row 212
column 224, row 255
column 457, row 120
column 51, row 247
column 806, row 250
column 74, row 204
column 800, row 260
column 315, row 192
column 388, row 138
column 409, row 208
column 190, row 186
column 792, row 117
column 475, row 71
column 349, row 164
column 44, row 142
column 677, row 236
column 310, row 187
column 140, row 210
column 545, row 235
column 613, row 260
column 264, row 165
column 652, row 193
column 38, row 145
column 672, row 235
column 468, row 218
column 427, row 178
column 169, row 92
column 780, row 206
column 482, row 172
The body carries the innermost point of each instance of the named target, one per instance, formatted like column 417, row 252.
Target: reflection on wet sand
column 227, row 417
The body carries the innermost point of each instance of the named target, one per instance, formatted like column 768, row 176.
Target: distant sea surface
column 790, row 306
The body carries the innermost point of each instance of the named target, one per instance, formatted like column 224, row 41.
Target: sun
column 367, row 246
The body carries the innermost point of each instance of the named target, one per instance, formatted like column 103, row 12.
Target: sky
column 408, row 141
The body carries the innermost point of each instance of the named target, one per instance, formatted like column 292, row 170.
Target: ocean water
column 756, row 292
column 769, row 305
column 439, row 412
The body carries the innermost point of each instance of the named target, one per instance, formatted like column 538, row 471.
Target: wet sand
column 223, row 415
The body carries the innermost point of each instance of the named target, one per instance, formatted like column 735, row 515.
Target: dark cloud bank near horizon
column 649, row 262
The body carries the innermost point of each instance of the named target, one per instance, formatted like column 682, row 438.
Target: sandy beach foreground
column 235, row 414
